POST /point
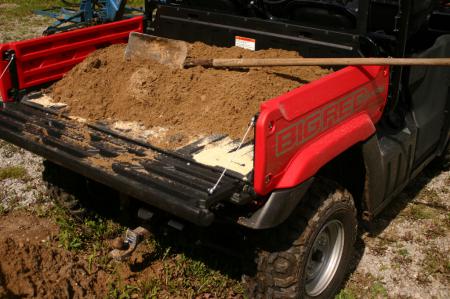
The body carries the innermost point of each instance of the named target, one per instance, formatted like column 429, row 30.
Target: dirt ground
column 37, row 267
column 44, row 254
column 36, row 263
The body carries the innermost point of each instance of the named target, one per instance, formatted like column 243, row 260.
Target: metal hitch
column 131, row 239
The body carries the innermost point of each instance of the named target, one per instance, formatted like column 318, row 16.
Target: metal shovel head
column 163, row 50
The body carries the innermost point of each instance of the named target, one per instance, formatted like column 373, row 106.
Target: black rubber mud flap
column 280, row 205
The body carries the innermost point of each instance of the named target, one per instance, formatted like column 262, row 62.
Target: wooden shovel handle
column 255, row 62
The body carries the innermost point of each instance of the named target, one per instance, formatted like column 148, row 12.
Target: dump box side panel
column 299, row 132
column 46, row 59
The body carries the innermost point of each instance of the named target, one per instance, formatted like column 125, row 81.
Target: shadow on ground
column 400, row 202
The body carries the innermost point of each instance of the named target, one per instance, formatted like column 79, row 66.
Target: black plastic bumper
column 169, row 181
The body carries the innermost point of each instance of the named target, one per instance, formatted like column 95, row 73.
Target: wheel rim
column 324, row 257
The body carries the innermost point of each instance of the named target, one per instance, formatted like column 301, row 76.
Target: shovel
column 174, row 53
column 163, row 50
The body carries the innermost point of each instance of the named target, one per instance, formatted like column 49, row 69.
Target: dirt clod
column 118, row 243
column 189, row 103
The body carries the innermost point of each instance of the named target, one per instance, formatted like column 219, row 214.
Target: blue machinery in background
column 84, row 13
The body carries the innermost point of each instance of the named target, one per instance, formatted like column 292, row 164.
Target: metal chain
column 250, row 126
column 7, row 66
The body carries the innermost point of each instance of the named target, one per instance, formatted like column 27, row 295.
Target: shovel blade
column 163, row 50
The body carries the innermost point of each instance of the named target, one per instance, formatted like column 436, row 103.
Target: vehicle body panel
column 299, row 132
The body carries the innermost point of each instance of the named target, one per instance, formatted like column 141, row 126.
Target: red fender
column 299, row 132
column 309, row 159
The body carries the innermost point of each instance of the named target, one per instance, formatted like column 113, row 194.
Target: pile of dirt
column 186, row 103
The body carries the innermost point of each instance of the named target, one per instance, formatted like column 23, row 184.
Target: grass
column 402, row 257
column 125, row 292
column 420, row 212
column 403, row 252
column 13, row 172
column 69, row 235
column 18, row 21
column 437, row 262
column 378, row 290
column 178, row 274
column 430, row 196
column 182, row 274
column 345, row 294
column 179, row 277
column 3, row 210
column 25, row 8
column 436, row 229
column 364, row 286
column 89, row 233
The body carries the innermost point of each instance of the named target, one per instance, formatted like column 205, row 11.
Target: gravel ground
column 405, row 255
column 22, row 179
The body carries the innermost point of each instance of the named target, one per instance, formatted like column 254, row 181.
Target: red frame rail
column 46, row 59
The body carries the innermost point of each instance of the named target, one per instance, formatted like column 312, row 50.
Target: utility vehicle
column 325, row 156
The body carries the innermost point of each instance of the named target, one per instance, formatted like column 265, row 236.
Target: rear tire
column 308, row 255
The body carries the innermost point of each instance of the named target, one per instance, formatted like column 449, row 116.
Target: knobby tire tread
column 277, row 269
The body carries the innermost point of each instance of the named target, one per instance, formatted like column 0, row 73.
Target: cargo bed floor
column 171, row 181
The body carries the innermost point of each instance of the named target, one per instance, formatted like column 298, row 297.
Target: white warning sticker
column 246, row 43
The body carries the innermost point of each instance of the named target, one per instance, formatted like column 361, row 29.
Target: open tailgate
column 167, row 180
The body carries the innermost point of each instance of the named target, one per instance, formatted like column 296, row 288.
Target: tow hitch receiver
column 130, row 241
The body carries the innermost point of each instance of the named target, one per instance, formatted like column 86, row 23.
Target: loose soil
column 32, row 265
column 189, row 103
